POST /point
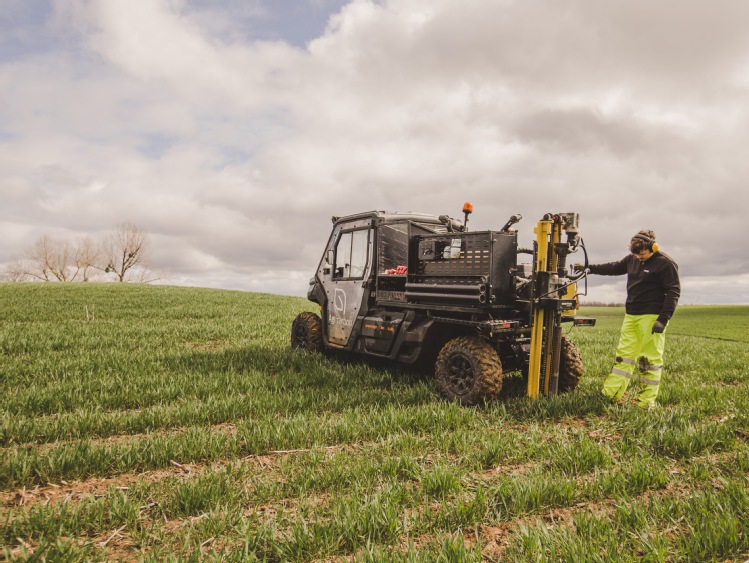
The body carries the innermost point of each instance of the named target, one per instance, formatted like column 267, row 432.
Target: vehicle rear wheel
column 306, row 332
column 468, row 371
column 570, row 366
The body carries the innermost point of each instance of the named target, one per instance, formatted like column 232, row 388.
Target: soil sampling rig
column 415, row 287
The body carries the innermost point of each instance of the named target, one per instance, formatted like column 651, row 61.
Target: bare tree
column 124, row 252
column 54, row 260
column 16, row 271
column 37, row 260
column 87, row 256
column 127, row 247
column 45, row 260
column 50, row 260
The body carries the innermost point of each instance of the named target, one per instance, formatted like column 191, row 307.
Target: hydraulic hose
column 575, row 277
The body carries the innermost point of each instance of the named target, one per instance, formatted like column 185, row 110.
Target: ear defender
column 652, row 245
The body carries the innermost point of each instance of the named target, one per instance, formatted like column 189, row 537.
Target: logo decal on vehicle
column 339, row 301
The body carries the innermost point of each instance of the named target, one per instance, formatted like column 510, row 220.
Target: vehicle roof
column 391, row 217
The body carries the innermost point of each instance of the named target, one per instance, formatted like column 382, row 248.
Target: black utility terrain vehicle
column 414, row 287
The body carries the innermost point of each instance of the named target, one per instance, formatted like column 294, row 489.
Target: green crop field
column 163, row 423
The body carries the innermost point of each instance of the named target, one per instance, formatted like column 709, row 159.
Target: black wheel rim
column 301, row 336
column 460, row 374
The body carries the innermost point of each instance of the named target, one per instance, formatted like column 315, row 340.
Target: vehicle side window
column 351, row 254
column 393, row 246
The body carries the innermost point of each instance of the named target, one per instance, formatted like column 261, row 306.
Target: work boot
column 610, row 400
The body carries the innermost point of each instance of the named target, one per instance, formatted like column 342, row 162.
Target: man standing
column 653, row 291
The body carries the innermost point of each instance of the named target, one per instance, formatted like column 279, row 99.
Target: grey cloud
column 234, row 153
column 580, row 129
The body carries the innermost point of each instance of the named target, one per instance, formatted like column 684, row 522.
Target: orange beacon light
column 467, row 209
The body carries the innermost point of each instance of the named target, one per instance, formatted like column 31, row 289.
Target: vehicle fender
column 316, row 294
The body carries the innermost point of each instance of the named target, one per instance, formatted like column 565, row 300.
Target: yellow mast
column 543, row 232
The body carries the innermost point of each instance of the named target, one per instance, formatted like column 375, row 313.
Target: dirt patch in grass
column 119, row 546
column 75, row 491
column 212, row 345
column 515, row 470
column 119, row 439
column 603, row 436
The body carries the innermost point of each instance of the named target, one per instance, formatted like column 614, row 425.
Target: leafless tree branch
column 124, row 252
column 126, row 248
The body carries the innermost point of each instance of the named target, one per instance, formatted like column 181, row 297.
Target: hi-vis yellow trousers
column 635, row 340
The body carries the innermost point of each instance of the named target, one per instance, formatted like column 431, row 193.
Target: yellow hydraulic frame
column 543, row 232
column 546, row 333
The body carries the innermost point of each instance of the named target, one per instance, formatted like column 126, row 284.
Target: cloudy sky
column 231, row 130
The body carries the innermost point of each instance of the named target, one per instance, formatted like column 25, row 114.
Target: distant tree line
column 122, row 255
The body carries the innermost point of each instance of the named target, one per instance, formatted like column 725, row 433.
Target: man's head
column 643, row 244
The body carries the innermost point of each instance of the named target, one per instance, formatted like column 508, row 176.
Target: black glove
column 578, row 267
column 658, row 327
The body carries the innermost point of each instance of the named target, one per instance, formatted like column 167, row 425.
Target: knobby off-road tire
column 306, row 332
column 468, row 371
column 570, row 366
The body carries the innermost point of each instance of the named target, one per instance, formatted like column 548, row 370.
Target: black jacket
column 652, row 286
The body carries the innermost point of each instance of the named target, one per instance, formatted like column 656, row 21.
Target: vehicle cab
column 365, row 262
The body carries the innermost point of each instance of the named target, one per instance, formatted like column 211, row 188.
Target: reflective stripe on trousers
column 635, row 340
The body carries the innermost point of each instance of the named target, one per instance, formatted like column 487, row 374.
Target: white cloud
column 234, row 152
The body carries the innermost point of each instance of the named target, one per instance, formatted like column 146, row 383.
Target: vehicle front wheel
column 570, row 366
column 468, row 371
column 306, row 332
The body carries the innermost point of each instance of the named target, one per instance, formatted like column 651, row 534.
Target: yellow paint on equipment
column 542, row 231
column 546, row 356
column 534, row 364
column 571, row 293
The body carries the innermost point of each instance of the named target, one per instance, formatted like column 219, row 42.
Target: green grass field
column 147, row 422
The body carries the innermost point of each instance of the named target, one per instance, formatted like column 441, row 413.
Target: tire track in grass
column 94, row 487
column 222, row 430
column 110, row 456
column 74, row 459
column 73, row 493
column 596, row 434
column 77, row 491
column 496, row 538
column 119, row 439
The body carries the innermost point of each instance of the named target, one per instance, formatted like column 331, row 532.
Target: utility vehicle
column 416, row 287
